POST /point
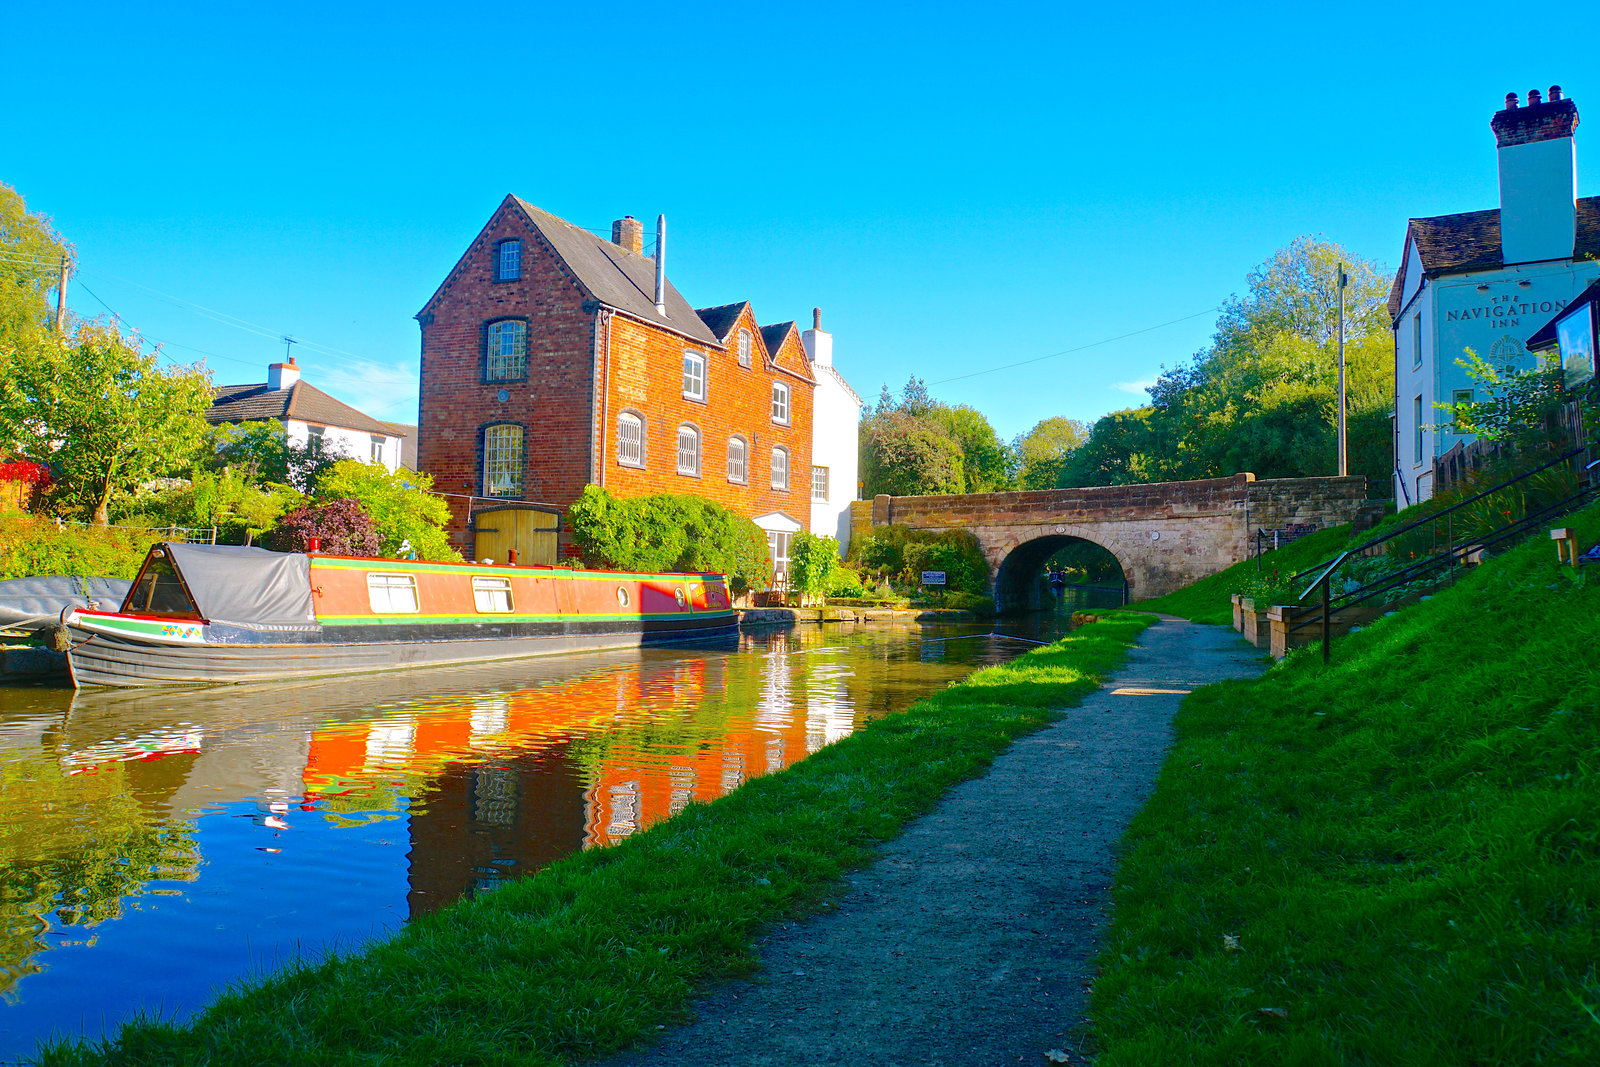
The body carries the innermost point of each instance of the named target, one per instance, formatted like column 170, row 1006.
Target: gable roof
column 720, row 319
column 1547, row 333
column 774, row 336
column 836, row 376
column 257, row 403
column 614, row 276
column 1470, row 241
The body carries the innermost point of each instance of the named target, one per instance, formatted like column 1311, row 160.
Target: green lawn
column 599, row 949
column 1405, row 846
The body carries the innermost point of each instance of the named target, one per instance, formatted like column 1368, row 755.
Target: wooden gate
column 528, row 528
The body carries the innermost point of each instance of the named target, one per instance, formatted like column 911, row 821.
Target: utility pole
column 1344, row 452
column 61, row 295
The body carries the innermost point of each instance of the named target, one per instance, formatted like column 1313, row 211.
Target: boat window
column 158, row 591
column 392, row 593
column 492, row 594
column 622, row 596
column 677, row 594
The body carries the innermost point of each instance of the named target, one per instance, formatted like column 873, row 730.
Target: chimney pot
column 816, row 318
column 628, row 232
column 1533, row 98
column 1511, row 101
column 1555, row 92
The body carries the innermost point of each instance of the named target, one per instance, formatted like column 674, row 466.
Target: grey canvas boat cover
column 246, row 586
column 37, row 603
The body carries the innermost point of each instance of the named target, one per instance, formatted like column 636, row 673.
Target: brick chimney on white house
column 818, row 342
column 1538, row 177
column 629, row 233
column 282, row 375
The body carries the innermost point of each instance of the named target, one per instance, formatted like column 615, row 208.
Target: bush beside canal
column 31, row 545
column 1389, row 860
column 596, row 951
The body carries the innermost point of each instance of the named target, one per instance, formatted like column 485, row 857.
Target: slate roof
column 1547, row 333
column 1470, row 241
column 773, row 336
column 256, row 403
column 720, row 319
column 614, row 276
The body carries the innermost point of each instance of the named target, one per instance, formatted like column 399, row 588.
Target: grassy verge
column 1390, row 860
column 599, row 949
column 1210, row 600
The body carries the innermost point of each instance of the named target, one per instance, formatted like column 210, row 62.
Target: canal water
column 157, row 845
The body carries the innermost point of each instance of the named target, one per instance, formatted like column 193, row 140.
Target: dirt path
column 970, row 941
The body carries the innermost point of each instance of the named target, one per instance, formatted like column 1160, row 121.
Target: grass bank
column 1391, row 860
column 1210, row 600
column 599, row 949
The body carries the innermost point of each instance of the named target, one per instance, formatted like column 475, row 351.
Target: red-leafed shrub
column 22, row 470
column 343, row 525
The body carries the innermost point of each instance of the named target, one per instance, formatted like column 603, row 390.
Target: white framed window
column 745, row 344
column 1416, row 447
column 507, row 350
column 509, row 262
column 630, row 439
column 377, row 449
column 778, row 549
column 694, row 375
column 1416, row 340
column 502, row 460
column 1459, row 396
column 780, row 403
column 738, row 469
column 392, row 594
column 819, row 483
column 780, row 468
column 492, row 595
column 316, row 432
column 688, row 450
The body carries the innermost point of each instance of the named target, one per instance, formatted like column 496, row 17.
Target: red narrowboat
column 200, row 614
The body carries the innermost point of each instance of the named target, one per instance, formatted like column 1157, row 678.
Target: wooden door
column 531, row 531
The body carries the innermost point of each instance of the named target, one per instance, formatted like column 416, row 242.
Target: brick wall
column 552, row 402
column 646, row 378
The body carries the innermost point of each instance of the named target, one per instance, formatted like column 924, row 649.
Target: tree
column 1042, row 452
column 1116, row 453
column 986, row 463
column 29, row 270
column 1519, row 407
column 402, row 505
column 812, row 560
column 902, row 456
column 101, row 414
column 342, row 527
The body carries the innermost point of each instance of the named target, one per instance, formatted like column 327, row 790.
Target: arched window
column 737, row 451
column 744, row 348
column 508, row 261
column 694, row 375
column 780, row 403
column 688, row 450
column 780, row 468
column 630, row 439
column 502, row 460
column 506, row 355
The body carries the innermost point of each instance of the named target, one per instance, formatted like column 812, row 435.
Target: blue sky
column 957, row 187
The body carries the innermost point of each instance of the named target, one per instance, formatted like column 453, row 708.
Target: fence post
column 1327, row 619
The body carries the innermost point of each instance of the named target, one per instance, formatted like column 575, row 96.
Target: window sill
column 499, row 281
column 630, row 466
column 695, row 399
column 688, row 474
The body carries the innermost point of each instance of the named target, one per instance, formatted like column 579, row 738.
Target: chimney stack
column 661, row 265
column 628, row 232
column 818, row 342
column 1538, row 177
column 282, row 375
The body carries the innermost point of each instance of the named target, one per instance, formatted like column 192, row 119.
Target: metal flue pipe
column 661, row 265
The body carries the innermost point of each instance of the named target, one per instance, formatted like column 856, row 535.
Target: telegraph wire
column 1079, row 348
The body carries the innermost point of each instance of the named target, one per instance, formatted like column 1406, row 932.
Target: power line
column 1079, row 348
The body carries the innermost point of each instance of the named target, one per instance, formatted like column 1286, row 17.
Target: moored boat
column 218, row 613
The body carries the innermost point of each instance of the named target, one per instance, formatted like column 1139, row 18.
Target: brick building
column 553, row 359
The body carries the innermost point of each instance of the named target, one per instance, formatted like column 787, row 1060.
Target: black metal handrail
column 1452, row 555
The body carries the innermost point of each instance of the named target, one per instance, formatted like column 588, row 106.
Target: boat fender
column 60, row 639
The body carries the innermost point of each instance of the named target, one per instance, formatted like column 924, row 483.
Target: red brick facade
column 588, row 364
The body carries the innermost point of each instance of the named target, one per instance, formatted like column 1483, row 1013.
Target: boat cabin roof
column 225, row 583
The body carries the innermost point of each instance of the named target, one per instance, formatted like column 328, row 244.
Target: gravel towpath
column 970, row 942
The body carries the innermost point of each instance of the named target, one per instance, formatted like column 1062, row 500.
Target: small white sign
column 933, row 577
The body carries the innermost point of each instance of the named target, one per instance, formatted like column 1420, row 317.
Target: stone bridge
column 1165, row 535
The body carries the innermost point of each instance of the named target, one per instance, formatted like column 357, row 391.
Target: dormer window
column 508, row 263
column 745, row 344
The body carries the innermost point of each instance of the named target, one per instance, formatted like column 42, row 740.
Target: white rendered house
column 1485, row 280
column 835, row 438
column 308, row 412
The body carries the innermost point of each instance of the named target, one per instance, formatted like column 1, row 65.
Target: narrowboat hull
column 107, row 658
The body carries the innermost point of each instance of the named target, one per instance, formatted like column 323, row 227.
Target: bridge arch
column 1016, row 578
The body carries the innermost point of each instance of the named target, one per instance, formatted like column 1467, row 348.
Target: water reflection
column 154, row 845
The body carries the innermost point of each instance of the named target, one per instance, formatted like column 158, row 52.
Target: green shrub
column 32, row 546
column 669, row 532
column 973, row 602
column 812, row 560
column 403, row 508
column 241, row 512
column 902, row 553
column 846, row 584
